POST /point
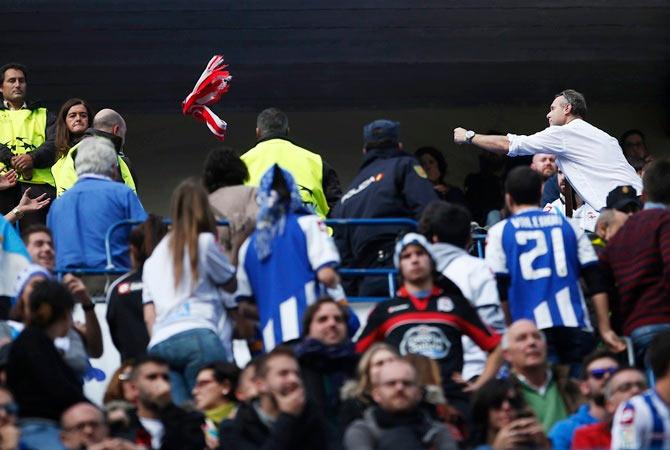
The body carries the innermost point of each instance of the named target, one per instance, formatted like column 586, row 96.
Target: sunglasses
column 599, row 374
column 515, row 402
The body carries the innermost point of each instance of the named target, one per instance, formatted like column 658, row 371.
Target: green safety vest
column 305, row 166
column 65, row 174
column 22, row 131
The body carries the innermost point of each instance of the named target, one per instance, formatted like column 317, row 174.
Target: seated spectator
column 281, row 417
column 214, row 396
column 39, row 243
column 643, row 421
column 43, row 384
column 125, row 315
column 621, row 386
column 158, row 423
column 634, row 146
column 183, row 304
column 287, row 262
column 224, row 176
column 624, row 199
column 551, row 396
column 327, row 358
column 429, row 316
column 435, row 166
column 447, row 227
column 80, row 218
column 389, row 183
column 357, row 394
column 120, row 399
column 502, row 419
column 396, row 421
column 246, row 383
column 83, row 427
column 596, row 370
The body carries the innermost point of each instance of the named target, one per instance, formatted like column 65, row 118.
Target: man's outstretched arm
column 495, row 144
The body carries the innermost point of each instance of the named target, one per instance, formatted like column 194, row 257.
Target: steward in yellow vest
column 317, row 181
column 64, row 171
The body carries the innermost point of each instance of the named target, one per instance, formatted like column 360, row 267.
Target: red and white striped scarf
column 212, row 84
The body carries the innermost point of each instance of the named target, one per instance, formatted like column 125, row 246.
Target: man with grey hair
column 591, row 159
column 318, row 182
column 107, row 124
column 80, row 218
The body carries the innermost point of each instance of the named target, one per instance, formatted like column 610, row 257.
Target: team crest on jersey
column 445, row 304
column 393, row 309
column 420, row 172
column 425, row 340
column 627, row 415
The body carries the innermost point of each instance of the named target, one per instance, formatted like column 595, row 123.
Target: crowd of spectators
column 557, row 337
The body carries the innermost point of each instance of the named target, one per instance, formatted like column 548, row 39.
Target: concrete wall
column 166, row 148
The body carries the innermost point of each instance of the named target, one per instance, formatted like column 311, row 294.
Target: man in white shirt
column 591, row 159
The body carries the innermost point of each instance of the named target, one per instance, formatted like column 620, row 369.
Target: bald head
column 544, row 164
column 609, row 222
column 110, row 121
column 82, row 425
column 524, row 346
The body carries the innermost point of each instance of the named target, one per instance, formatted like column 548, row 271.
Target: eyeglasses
column 514, row 401
column 599, row 374
column 80, row 427
column 625, row 387
column 405, row 383
column 10, row 408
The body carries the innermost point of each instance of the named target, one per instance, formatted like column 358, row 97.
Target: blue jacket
column 390, row 183
column 80, row 218
column 562, row 431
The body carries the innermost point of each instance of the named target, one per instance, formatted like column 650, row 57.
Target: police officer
column 390, row 183
column 26, row 143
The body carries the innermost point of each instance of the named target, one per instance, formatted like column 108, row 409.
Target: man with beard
column 596, row 370
column 544, row 164
column 280, row 417
column 396, row 421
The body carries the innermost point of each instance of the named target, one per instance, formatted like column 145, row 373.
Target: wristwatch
column 17, row 213
column 469, row 135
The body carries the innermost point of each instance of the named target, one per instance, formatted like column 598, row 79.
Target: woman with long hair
column 183, row 305
column 74, row 117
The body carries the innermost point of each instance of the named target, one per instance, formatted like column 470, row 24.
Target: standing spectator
column 624, row 199
column 43, row 384
column 281, row 418
column 502, row 421
column 538, row 259
column 590, row 158
column 550, row 393
column 637, row 261
column 27, row 143
column 544, row 164
column 634, row 146
column 224, row 176
column 596, row 371
column 74, row 117
column 435, row 166
column 396, row 421
column 39, row 243
column 429, row 316
column 327, row 358
column 644, row 420
column 318, row 181
column 79, row 220
column 83, row 427
column 357, row 394
column 214, row 396
column 608, row 225
column 109, row 125
column 390, row 183
column 183, row 305
column 288, row 262
column 622, row 385
column 125, row 315
column 447, row 226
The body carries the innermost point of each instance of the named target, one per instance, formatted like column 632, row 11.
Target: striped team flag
column 14, row 258
column 212, row 84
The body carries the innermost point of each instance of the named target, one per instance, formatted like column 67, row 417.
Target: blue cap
column 411, row 239
column 381, row 131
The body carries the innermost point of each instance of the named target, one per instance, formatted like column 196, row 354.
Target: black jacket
column 390, row 183
column 125, row 316
column 44, row 155
column 247, row 432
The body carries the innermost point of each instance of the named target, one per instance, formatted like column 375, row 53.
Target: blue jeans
column 40, row 433
column 642, row 338
column 187, row 353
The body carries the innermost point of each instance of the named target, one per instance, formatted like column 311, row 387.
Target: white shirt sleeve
column 631, row 425
column 243, row 285
column 218, row 268
column 486, row 298
column 321, row 249
column 585, row 252
column 495, row 254
column 546, row 141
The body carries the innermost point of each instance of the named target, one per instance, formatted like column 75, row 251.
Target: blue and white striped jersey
column 643, row 422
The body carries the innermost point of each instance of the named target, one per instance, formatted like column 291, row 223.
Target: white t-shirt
column 190, row 305
column 591, row 159
column 584, row 216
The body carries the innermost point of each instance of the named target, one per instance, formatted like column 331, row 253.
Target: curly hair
column 223, row 168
